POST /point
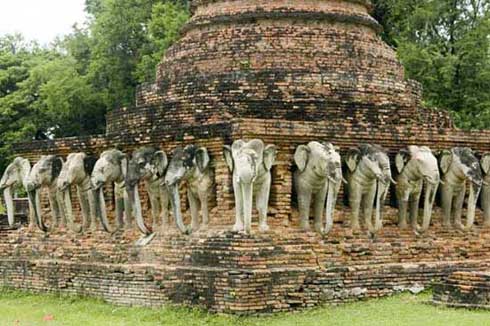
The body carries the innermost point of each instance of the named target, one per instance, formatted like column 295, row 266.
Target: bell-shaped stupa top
column 307, row 60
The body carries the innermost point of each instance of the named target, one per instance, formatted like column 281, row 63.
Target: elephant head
column 485, row 193
column 15, row 175
column 110, row 168
column 184, row 164
column 320, row 174
column 149, row 165
column 458, row 166
column 370, row 175
column 251, row 163
column 76, row 172
column 45, row 174
column 418, row 169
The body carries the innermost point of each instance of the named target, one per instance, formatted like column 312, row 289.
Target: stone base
column 464, row 290
column 221, row 271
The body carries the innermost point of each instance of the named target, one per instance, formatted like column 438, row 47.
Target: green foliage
column 445, row 45
column 165, row 24
column 405, row 310
column 66, row 89
column 129, row 39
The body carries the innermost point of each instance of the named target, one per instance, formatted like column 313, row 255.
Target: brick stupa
column 287, row 72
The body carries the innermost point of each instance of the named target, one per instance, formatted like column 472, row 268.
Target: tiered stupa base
column 226, row 272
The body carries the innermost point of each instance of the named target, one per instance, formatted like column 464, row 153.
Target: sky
column 40, row 20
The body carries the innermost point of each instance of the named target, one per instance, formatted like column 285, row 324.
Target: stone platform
column 225, row 272
column 468, row 289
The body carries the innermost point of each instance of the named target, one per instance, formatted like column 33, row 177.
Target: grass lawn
column 22, row 309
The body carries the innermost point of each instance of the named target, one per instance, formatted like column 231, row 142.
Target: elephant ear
column 160, row 161
column 89, row 164
column 115, row 157
column 56, row 166
column 485, row 163
column 445, row 160
column 353, row 158
column 301, row 157
column 228, row 155
column 270, row 153
column 202, row 159
column 401, row 159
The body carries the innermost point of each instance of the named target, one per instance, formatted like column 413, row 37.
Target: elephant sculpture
column 111, row 168
column 418, row 169
column 76, row 172
column 149, row 165
column 250, row 163
column 369, row 180
column 319, row 175
column 459, row 166
column 191, row 164
column 485, row 192
column 15, row 175
column 44, row 174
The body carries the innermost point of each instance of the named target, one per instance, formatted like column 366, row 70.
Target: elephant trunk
column 36, row 205
column 378, row 223
column 247, row 194
column 9, row 202
column 100, row 208
column 134, row 199
column 67, row 207
column 429, row 198
column 330, row 206
column 470, row 213
column 175, row 201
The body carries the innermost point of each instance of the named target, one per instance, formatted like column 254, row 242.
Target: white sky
column 40, row 20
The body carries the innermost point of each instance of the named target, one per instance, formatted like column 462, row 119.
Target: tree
column 167, row 20
column 128, row 39
column 444, row 45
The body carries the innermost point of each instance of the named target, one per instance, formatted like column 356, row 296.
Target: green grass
column 23, row 309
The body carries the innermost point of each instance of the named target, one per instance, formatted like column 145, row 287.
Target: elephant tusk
column 393, row 181
column 344, row 181
column 7, row 193
column 332, row 180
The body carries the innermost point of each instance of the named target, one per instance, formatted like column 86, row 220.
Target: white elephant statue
column 251, row 163
column 369, row 179
column 111, row 168
column 149, row 165
column 76, row 172
column 418, row 169
column 15, row 175
column 191, row 164
column 459, row 166
column 485, row 192
column 319, row 176
column 44, row 174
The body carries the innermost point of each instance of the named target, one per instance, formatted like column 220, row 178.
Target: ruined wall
column 464, row 289
column 225, row 272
